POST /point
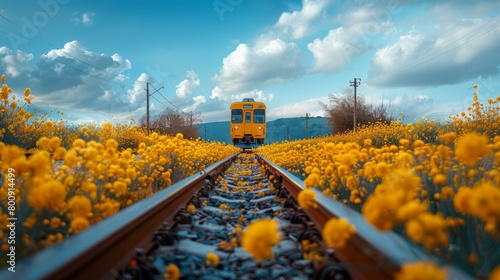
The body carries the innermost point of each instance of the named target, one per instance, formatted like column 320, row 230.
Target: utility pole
column 307, row 125
column 355, row 84
column 147, row 108
column 147, row 105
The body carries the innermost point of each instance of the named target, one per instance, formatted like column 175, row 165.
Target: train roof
column 248, row 100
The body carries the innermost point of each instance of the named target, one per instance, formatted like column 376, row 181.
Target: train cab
column 248, row 123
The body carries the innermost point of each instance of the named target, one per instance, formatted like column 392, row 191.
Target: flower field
column 78, row 175
column 436, row 184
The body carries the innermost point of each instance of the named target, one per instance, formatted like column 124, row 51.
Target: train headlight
column 236, row 127
column 260, row 127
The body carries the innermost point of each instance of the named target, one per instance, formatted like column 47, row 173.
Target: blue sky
column 92, row 59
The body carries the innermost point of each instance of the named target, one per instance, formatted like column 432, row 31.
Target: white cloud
column 198, row 100
column 298, row 23
column 77, row 81
column 187, row 86
column 360, row 31
column 137, row 94
column 257, row 95
column 292, row 110
column 249, row 68
column 85, row 19
column 334, row 51
column 15, row 62
column 451, row 53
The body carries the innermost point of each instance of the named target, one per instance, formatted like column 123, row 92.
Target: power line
column 55, row 47
column 75, row 68
column 159, row 102
column 419, row 61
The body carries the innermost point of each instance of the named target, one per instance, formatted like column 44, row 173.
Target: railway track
column 206, row 214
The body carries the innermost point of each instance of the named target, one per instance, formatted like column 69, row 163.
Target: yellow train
column 248, row 123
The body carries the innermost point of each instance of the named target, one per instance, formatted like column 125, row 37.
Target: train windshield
column 259, row 116
column 248, row 117
column 237, row 116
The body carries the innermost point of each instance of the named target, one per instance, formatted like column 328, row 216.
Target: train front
column 248, row 123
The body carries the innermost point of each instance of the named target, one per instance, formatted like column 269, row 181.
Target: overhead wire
column 84, row 62
column 157, row 90
column 432, row 55
column 68, row 54
column 88, row 64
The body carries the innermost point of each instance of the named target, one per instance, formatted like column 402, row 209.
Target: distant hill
column 277, row 130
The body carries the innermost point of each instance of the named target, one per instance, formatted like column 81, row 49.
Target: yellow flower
column 307, row 199
column 484, row 201
column 78, row 224
column 461, row 199
column 50, row 195
column 191, row 209
column 382, row 168
column 2, row 78
column 80, row 206
column 495, row 274
column 447, row 192
column 40, row 164
column 120, row 188
column 411, row 210
column 336, row 232
column 448, row 138
column 54, row 143
column 312, row 180
column 471, row 148
column 439, row 179
column 111, row 144
column 212, row 259
column 43, row 142
column 179, row 136
column 27, row 92
column 367, row 142
column 78, row 144
column 421, row 270
column 71, row 159
column 107, row 126
column 55, row 222
column 428, row 229
column 13, row 105
column 259, row 238
column 172, row 272
column 59, row 153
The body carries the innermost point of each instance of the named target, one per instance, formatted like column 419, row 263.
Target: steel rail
column 93, row 253
column 369, row 253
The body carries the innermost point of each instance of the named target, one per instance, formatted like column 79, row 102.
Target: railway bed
column 219, row 213
column 206, row 214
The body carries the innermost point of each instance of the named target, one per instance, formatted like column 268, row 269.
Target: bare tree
column 340, row 111
column 171, row 122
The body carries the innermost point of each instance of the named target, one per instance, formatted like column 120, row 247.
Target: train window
column 259, row 116
column 237, row 116
column 248, row 117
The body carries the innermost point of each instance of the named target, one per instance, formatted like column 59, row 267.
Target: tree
column 171, row 122
column 340, row 111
